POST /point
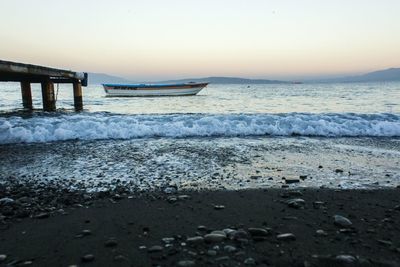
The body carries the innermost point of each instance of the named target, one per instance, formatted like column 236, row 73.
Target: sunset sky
column 154, row 40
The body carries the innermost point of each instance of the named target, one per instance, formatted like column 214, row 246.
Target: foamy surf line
column 92, row 126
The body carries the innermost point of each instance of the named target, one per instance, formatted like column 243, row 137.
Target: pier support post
column 26, row 95
column 78, row 102
column 48, row 96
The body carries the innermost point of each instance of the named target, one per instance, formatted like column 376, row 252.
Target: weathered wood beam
column 48, row 96
column 14, row 67
column 26, row 95
column 78, row 102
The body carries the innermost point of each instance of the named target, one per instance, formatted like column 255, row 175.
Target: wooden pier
column 27, row 74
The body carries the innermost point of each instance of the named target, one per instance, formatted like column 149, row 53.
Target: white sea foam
column 91, row 126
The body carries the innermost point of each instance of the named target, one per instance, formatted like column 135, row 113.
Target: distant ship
column 178, row 89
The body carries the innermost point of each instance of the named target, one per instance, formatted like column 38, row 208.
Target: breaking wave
column 92, row 126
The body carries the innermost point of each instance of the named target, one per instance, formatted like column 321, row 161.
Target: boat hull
column 153, row 90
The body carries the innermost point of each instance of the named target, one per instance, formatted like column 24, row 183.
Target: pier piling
column 26, row 95
column 78, row 102
column 48, row 96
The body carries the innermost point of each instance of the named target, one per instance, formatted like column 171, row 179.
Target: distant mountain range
column 392, row 74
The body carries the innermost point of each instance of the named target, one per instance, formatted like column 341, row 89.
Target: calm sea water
column 217, row 139
column 363, row 98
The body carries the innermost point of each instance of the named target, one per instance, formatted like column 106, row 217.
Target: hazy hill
column 392, row 74
column 225, row 80
column 99, row 78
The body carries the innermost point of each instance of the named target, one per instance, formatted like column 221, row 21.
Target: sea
column 229, row 136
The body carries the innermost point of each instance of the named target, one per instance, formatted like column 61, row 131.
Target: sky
column 169, row 39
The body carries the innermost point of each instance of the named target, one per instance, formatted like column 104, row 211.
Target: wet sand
column 153, row 230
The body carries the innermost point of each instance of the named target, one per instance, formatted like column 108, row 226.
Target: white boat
column 179, row 89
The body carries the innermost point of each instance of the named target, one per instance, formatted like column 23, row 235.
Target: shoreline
column 120, row 229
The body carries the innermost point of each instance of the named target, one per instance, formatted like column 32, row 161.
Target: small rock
column 258, row 232
column 224, row 258
column 183, row 197
column 186, row 263
column 111, row 243
column 321, row 232
column 154, row 249
column 385, row 242
column 303, row 177
column 86, row 232
column 170, row 190
column 168, row 240
column 295, row 193
column 397, row 207
column 201, row 228
column 229, row 249
column 255, row 177
column 88, row 258
column 120, row 258
column 211, row 252
column 341, row 221
column 6, row 201
column 219, row 207
column 320, row 167
column 3, row 257
column 249, row 261
column 346, row 258
column 296, row 203
column 286, row 237
column 291, row 180
column 318, row 204
column 214, row 238
column 42, row 215
column 338, row 170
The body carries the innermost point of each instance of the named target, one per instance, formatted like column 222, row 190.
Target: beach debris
column 296, row 203
column 286, row 237
column 342, row 221
column 87, row 258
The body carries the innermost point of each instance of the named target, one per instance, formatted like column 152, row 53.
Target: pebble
column 303, row 177
column 214, row 238
column 321, row 232
column 42, row 215
column 168, row 240
column 211, row 252
column 86, row 232
column 3, row 257
column 292, row 180
column 229, row 248
column 201, row 228
column 296, row 203
column 183, row 197
column 155, row 249
column 111, row 243
column 6, row 201
column 341, row 221
column 224, row 258
column 249, row 261
column 346, row 258
column 219, row 207
column 255, row 177
column 258, row 232
column 286, row 237
column 185, row 263
column 120, row 258
column 338, row 170
column 88, row 258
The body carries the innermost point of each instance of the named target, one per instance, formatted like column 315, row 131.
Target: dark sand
column 373, row 239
